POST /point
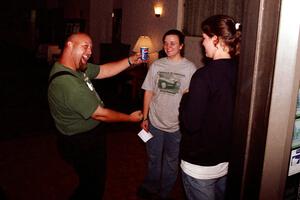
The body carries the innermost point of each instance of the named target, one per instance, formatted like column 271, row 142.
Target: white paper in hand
column 145, row 136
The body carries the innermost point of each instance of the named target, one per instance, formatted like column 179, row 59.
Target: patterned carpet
column 30, row 168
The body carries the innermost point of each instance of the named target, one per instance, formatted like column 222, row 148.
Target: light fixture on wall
column 143, row 41
column 158, row 8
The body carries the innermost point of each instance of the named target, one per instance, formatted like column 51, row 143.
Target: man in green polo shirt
column 79, row 112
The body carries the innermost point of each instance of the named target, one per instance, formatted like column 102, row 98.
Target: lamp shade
column 143, row 41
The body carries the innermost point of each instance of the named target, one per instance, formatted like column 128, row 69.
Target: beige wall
column 138, row 19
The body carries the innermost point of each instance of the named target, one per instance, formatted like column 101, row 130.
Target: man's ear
column 69, row 44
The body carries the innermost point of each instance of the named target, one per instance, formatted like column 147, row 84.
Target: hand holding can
column 144, row 54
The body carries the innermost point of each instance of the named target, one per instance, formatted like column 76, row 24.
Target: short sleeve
column 92, row 70
column 149, row 80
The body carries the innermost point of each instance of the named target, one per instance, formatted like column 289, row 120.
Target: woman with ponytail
column 206, row 112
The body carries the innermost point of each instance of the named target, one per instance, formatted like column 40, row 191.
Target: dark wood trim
column 257, row 62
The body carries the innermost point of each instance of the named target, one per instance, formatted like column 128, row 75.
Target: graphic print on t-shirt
column 169, row 82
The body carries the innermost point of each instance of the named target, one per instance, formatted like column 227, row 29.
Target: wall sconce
column 158, row 8
column 143, row 41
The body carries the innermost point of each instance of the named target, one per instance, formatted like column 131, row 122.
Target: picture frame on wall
column 73, row 26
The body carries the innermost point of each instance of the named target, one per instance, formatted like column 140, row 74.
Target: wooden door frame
column 256, row 73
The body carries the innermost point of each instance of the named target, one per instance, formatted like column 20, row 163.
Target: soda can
column 144, row 53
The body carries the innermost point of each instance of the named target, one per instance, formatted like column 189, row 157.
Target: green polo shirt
column 73, row 99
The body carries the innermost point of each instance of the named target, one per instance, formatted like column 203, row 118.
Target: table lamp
column 143, row 41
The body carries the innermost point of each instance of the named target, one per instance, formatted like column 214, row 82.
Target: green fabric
column 72, row 99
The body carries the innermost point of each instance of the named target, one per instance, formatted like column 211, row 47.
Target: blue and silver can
column 144, row 53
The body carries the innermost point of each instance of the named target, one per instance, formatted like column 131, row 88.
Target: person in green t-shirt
column 79, row 112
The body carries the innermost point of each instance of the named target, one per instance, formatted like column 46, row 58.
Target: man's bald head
column 75, row 37
column 77, row 51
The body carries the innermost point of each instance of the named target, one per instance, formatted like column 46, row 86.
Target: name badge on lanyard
column 89, row 84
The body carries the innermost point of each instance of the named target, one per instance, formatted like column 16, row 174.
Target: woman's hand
column 145, row 125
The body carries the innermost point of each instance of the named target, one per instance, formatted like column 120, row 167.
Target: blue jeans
column 204, row 189
column 163, row 152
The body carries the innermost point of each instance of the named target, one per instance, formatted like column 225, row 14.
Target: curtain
column 195, row 11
